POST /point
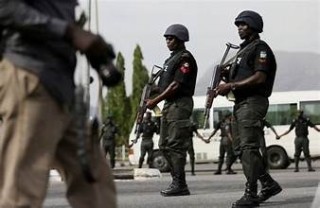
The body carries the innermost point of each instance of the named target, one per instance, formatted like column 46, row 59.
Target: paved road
column 207, row 190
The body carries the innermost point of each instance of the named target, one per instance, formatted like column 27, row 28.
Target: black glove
column 109, row 75
column 99, row 53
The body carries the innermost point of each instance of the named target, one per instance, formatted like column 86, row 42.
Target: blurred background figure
column 301, row 142
column 147, row 129
column 108, row 135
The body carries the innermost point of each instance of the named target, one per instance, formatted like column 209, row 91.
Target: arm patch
column 185, row 68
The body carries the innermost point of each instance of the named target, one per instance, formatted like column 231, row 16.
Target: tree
column 122, row 107
column 139, row 80
column 118, row 104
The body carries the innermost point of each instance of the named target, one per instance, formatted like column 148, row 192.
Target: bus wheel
column 160, row 162
column 277, row 158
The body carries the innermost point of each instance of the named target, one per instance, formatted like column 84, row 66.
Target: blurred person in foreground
column 37, row 94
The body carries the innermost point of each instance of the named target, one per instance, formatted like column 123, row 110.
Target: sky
column 289, row 25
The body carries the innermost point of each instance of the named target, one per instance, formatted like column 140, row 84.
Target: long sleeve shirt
column 33, row 38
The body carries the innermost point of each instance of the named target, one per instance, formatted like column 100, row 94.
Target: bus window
column 311, row 109
column 219, row 113
column 198, row 117
column 281, row 114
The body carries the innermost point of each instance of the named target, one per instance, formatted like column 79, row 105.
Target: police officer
column 108, row 135
column 147, row 129
column 176, row 88
column 251, row 79
column 263, row 147
column 301, row 142
column 225, row 144
column 194, row 129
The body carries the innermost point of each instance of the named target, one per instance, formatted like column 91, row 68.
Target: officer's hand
column 99, row 53
column 150, row 104
column 222, row 89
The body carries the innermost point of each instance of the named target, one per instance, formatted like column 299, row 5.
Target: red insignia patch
column 185, row 68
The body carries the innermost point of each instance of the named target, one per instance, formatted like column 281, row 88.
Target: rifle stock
column 146, row 95
column 215, row 80
column 85, row 134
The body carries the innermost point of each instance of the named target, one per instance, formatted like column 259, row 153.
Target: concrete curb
column 146, row 173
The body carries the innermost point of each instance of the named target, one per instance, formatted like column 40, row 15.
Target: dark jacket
column 34, row 40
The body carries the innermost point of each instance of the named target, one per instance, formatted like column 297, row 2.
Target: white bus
column 282, row 110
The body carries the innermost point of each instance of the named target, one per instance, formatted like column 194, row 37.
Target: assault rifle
column 87, row 130
column 144, row 96
column 215, row 80
column 87, row 133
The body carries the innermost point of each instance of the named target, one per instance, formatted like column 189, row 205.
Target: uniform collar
column 177, row 51
column 247, row 42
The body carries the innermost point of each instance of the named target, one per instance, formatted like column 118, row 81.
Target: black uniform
column 225, row 146
column 176, row 113
column 194, row 128
column 301, row 141
column 147, row 129
column 251, row 105
column 109, row 131
column 263, row 146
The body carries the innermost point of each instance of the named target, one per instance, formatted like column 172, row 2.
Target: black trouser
column 225, row 148
column 175, row 135
column 111, row 149
column 249, row 114
column 264, row 153
column 301, row 144
column 146, row 147
column 191, row 156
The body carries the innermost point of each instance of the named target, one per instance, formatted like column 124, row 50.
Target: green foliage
column 139, row 80
column 117, row 104
column 123, row 107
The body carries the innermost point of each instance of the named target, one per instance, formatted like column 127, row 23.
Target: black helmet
column 179, row 31
column 251, row 18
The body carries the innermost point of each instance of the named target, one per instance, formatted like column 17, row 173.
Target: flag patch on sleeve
column 185, row 68
column 263, row 57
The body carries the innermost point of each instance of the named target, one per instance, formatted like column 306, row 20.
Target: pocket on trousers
column 250, row 132
column 179, row 134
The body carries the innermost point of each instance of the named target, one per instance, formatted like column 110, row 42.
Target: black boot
column 269, row 187
column 218, row 171
column 179, row 186
column 229, row 170
column 171, row 173
column 176, row 189
column 249, row 199
column 310, row 169
column 149, row 162
column 296, row 163
column 192, row 167
column 140, row 162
